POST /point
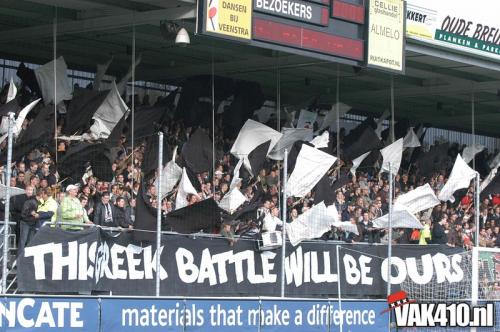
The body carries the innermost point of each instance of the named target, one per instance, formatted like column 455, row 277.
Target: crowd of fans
column 49, row 199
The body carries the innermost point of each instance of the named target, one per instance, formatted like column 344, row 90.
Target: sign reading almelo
column 460, row 25
column 386, row 34
column 231, row 18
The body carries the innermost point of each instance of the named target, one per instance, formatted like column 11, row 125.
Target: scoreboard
column 325, row 29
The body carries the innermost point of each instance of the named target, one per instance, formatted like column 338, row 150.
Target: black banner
column 57, row 261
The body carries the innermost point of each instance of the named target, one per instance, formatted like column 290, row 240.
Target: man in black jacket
column 29, row 217
column 104, row 214
column 438, row 233
column 122, row 214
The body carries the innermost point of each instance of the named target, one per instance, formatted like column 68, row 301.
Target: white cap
column 71, row 187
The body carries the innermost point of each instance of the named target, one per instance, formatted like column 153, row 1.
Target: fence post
column 475, row 249
column 283, row 231
column 339, row 288
column 158, row 211
column 7, row 206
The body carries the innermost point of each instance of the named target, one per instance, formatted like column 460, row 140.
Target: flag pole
column 393, row 138
column 132, row 110
column 337, row 114
column 473, row 111
column 54, row 36
column 283, row 231
column 158, row 211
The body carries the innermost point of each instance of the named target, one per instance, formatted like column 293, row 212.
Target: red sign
column 308, row 39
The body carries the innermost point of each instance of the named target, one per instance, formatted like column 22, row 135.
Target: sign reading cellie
column 230, row 18
column 386, row 34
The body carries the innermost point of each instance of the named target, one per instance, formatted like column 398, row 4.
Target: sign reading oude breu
column 58, row 261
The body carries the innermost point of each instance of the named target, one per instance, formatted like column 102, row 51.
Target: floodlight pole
column 283, row 231
column 158, row 211
column 7, row 206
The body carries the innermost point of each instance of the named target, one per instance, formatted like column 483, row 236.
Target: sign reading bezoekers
column 386, row 35
column 460, row 25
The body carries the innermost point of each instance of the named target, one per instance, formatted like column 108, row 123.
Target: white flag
column 489, row 178
column 419, row 199
column 310, row 225
column 306, row 119
column 290, row 136
column 112, row 109
column 356, row 162
column 346, row 226
column 310, row 167
column 14, row 191
column 171, row 175
column 333, row 213
column 123, row 82
column 236, row 175
column 401, row 218
column 460, row 177
column 411, row 139
column 321, row 141
column 392, row 156
column 185, row 188
column 330, row 119
column 495, row 162
column 22, row 115
column 232, row 200
column 11, row 94
column 45, row 78
column 264, row 113
column 251, row 135
column 470, row 151
column 101, row 71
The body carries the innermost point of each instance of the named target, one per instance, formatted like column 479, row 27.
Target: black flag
column 202, row 216
column 74, row 163
column 11, row 106
column 257, row 157
column 81, row 109
column 197, row 152
column 150, row 163
column 367, row 141
column 145, row 218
